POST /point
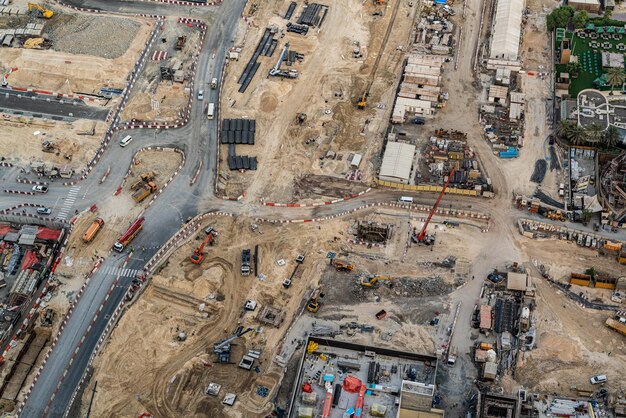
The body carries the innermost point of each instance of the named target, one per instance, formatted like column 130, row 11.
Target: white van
column 126, row 140
column 405, row 199
column 600, row 378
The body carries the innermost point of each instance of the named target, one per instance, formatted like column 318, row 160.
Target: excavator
column 197, row 255
column 372, row 281
column 556, row 215
column 39, row 11
column 222, row 348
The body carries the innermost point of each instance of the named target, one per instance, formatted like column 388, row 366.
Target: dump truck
column 144, row 191
column 617, row 323
column 452, row 356
column 180, row 43
column 93, row 230
column 342, row 265
column 245, row 262
column 314, row 303
column 213, row 83
column 143, row 178
column 129, row 235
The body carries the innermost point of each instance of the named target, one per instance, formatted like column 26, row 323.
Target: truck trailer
column 129, row 235
column 245, row 262
column 144, row 191
column 93, row 229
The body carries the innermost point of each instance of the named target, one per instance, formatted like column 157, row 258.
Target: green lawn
column 590, row 61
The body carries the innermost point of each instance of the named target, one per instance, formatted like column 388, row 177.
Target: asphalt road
column 40, row 105
column 199, row 141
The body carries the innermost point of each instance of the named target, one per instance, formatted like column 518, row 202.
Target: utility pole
column 93, row 393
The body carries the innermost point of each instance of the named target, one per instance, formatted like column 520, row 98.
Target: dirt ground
column 84, row 70
column 288, row 151
column 22, row 139
column 154, row 372
column 172, row 96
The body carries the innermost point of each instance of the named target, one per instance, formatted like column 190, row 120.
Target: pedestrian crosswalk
column 69, row 202
column 118, row 271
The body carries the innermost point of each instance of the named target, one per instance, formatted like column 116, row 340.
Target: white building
column 397, row 162
column 506, row 32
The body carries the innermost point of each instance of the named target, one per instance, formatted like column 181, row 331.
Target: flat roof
column 516, row 281
column 384, row 372
column 397, row 160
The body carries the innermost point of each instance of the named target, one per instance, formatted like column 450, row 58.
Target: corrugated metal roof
column 506, row 30
column 397, row 161
column 485, row 317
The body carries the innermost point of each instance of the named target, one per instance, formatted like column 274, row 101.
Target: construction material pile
column 539, row 173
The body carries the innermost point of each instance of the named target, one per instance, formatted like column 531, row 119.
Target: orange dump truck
column 93, row 229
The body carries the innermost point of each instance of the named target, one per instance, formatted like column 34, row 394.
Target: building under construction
column 498, row 406
column 373, row 232
column 613, row 187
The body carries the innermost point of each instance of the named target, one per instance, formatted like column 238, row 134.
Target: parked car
column 599, row 378
column 44, row 211
column 418, row 121
column 40, row 189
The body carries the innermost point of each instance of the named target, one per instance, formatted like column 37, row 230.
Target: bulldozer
column 342, row 265
column 36, row 43
column 49, row 146
column 37, row 10
column 373, row 281
column 556, row 215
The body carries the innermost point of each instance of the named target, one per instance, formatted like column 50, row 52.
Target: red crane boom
column 198, row 256
column 422, row 233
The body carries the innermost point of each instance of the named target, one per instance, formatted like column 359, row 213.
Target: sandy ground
column 172, row 96
column 333, row 123
column 154, row 372
column 20, row 144
column 72, row 73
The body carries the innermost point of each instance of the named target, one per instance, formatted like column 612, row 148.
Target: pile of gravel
column 100, row 36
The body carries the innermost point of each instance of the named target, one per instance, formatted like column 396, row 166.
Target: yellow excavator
column 342, row 265
column 39, row 11
column 33, row 43
column 372, row 281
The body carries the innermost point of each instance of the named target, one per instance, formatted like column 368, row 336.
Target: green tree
column 576, row 134
column 594, row 133
column 580, row 19
column 607, row 16
column 573, row 68
column 559, row 17
column 611, row 137
column 615, row 77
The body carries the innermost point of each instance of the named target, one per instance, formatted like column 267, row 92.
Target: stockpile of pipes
column 290, row 10
column 313, row 15
column 554, row 159
column 540, row 171
column 238, row 131
column 266, row 47
column 301, row 29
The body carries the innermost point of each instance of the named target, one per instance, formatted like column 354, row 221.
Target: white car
column 40, row 189
column 200, row 94
column 44, row 211
column 600, row 378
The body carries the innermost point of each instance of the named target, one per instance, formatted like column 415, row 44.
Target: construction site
column 310, row 122
column 164, row 85
column 29, row 255
column 251, row 294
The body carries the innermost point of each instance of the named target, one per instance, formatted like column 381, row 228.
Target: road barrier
column 26, row 181
column 315, row 204
column 19, row 192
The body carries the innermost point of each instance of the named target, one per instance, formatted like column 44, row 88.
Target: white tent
column 507, row 28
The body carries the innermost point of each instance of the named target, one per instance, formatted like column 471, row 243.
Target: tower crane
column 422, row 238
column 197, row 255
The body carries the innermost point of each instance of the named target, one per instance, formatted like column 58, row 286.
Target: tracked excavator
column 37, row 10
column 198, row 255
column 373, row 281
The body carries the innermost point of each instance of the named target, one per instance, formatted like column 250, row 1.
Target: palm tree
column 576, row 134
column 562, row 127
column 594, row 133
column 611, row 137
column 615, row 77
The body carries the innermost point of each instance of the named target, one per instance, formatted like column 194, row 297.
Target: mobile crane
column 422, row 238
column 197, row 255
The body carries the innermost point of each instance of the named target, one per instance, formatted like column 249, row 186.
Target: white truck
column 211, row 111
column 214, row 83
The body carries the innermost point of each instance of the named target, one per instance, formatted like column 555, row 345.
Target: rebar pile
column 540, row 171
